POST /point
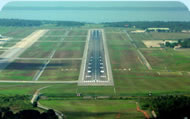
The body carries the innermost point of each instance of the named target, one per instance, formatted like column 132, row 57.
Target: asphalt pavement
column 95, row 61
column 95, row 69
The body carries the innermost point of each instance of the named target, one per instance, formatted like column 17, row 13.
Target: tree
column 29, row 114
column 168, row 44
column 6, row 113
column 35, row 104
column 170, row 107
column 50, row 114
column 186, row 43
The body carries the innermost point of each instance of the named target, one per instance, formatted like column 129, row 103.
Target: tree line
column 30, row 23
column 6, row 113
column 169, row 107
column 174, row 26
column 185, row 43
column 21, row 102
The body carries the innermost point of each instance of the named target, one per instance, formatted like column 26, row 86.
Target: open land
column 58, row 55
column 93, row 109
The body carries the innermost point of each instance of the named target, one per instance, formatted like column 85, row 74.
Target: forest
column 169, row 107
column 6, row 113
column 174, row 26
column 184, row 43
column 31, row 23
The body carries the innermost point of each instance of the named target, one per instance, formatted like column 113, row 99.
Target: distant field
column 39, row 50
column 1, row 52
column 75, row 38
column 61, row 71
column 47, row 38
column 72, row 90
column 141, row 83
column 168, row 59
column 56, row 70
column 169, row 75
column 159, row 36
column 8, row 89
column 97, row 90
column 54, row 35
column 56, row 32
column 70, row 50
column 15, row 34
column 78, row 32
column 116, row 30
column 21, row 70
column 95, row 109
column 60, row 90
column 168, row 65
column 122, row 53
column 131, row 77
column 8, row 44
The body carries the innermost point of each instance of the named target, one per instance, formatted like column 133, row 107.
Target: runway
column 95, row 70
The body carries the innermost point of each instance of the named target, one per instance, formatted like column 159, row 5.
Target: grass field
column 139, row 37
column 75, row 38
column 168, row 59
column 21, row 70
column 47, row 38
column 170, row 67
column 70, row 50
column 60, row 90
column 159, row 36
column 56, row 32
column 1, row 52
column 141, row 83
column 8, row 89
column 43, row 48
column 61, row 71
column 15, row 34
column 65, row 90
column 78, row 32
column 39, row 50
column 170, row 74
column 95, row 109
column 122, row 53
column 54, row 35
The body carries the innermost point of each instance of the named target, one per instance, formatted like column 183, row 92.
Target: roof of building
column 138, row 31
column 158, row 28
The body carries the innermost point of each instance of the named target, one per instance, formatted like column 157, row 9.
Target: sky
column 186, row 2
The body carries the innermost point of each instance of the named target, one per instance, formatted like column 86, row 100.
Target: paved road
column 37, row 94
column 35, row 99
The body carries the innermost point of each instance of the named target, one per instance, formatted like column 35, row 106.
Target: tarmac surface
column 95, row 71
